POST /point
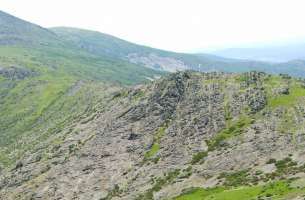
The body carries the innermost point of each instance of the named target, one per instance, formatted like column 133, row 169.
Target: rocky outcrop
column 16, row 73
column 153, row 141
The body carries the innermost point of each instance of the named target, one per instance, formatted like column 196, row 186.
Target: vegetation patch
column 237, row 178
column 153, row 151
column 236, row 128
column 198, row 157
column 274, row 190
column 156, row 144
column 283, row 168
column 284, row 165
column 113, row 193
column 186, row 172
column 158, row 183
column 296, row 92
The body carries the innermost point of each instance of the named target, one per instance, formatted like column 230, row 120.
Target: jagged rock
column 256, row 99
column 283, row 90
column 19, row 164
column 208, row 123
column 132, row 136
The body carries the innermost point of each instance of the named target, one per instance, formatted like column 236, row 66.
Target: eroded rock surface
column 186, row 129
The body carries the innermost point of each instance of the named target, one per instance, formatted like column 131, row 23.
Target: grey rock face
column 154, row 130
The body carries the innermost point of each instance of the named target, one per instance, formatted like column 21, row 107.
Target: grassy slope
column 24, row 102
column 75, row 63
column 36, row 106
column 275, row 190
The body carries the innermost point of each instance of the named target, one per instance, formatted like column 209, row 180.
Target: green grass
column 276, row 190
column 153, row 151
column 198, row 157
column 273, row 81
column 156, row 146
column 75, row 63
column 198, row 193
column 296, row 93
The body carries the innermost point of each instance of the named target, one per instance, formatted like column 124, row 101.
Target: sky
column 177, row 25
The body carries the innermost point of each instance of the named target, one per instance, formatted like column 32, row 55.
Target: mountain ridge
column 91, row 120
column 188, row 135
column 94, row 41
column 107, row 46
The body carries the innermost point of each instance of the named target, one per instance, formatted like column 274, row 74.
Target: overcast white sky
column 179, row 25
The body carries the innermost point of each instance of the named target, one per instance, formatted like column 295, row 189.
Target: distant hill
column 106, row 45
column 51, row 51
column 17, row 31
column 101, row 44
column 283, row 53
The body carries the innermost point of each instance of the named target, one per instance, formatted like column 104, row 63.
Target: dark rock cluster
column 16, row 73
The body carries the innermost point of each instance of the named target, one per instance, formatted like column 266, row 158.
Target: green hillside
column 45, row 82
column 38, row 68
column 35, row 83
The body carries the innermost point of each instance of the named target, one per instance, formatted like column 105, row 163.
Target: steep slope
column 38, row 71
column 197, row 135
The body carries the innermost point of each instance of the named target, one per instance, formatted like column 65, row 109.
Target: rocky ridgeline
column 154, row 141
